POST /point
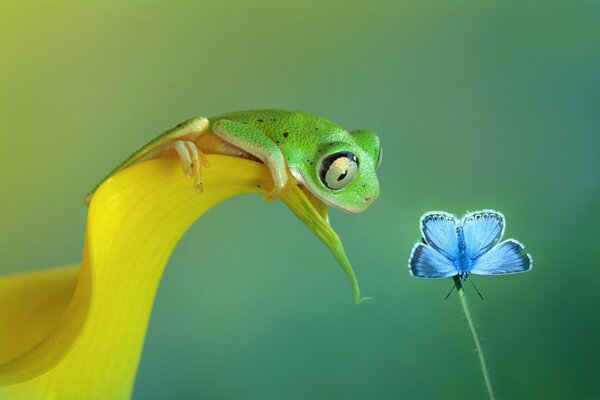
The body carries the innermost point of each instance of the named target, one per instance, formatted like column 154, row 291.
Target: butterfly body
column 464, row 262
column 460, row 247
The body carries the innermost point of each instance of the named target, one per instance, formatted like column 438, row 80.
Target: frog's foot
column 281, row 184
column 275, row 192
column 191, row 160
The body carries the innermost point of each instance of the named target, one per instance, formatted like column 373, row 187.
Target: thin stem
column 467, row 311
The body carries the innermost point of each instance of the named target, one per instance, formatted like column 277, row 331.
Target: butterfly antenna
column 450, row 292
column 477, row 290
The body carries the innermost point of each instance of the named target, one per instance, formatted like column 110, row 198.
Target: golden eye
column 337, row 170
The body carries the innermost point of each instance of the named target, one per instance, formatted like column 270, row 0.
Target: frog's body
column 335, row 165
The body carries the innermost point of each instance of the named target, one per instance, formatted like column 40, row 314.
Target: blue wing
column 425, row 262
column 439, row 231
column 508, row 257
column 482, row 230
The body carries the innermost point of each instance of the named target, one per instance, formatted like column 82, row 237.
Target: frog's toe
column 275, row 192
column 184, row 156
column 272, row 196
column 198, row 159
column 191, row 160
column 204, row 161
column 280, row 181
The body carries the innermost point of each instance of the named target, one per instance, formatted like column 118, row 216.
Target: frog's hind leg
column 182, row 139
column 191, row 160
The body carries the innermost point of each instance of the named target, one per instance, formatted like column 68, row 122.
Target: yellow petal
column 134, row 222
column 316, row 220
column 30, row 305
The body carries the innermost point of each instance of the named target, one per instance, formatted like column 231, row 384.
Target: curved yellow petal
column 134, row 222
column 315, row 218
column 30, row 305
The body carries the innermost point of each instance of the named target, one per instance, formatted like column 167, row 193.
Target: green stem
column 467, row 311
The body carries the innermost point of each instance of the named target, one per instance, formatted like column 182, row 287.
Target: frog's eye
column 379, row 155
column 338, row 169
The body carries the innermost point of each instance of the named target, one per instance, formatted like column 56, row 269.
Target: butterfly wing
column 439, row 231
column 426, row 262
column 508, row 257
column 482, row 230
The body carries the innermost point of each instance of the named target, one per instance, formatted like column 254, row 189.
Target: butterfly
column 467, row 246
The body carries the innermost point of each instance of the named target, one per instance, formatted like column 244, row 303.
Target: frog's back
column 283, row 125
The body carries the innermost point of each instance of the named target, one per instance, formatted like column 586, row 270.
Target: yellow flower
column 77, row 332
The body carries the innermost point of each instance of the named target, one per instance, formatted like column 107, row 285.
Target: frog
column 336, row 166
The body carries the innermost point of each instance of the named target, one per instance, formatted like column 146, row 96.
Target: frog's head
column 342, row 173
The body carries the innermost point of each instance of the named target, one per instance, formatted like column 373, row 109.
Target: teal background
column 478, row 105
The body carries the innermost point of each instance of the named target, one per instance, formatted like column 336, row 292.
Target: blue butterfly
column 468, row 246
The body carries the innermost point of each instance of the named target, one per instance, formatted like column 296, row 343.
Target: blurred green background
column 478, row 105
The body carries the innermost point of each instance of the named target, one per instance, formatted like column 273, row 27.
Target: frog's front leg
column 256, row 143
